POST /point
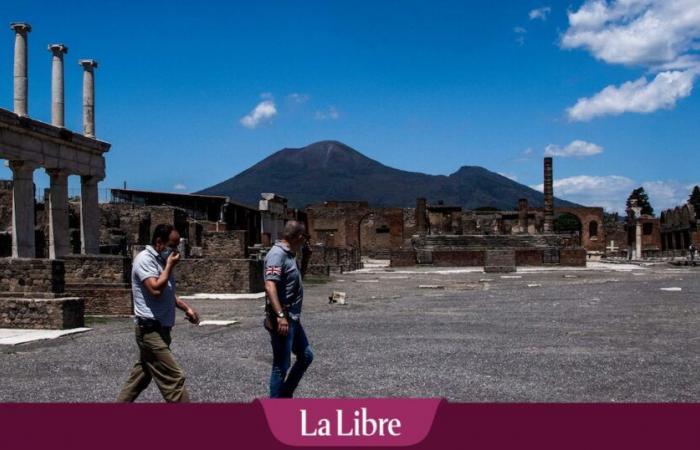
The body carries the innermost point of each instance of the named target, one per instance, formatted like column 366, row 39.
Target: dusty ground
column 608, row 334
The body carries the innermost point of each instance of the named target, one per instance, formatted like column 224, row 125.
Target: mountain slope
column 330, row 170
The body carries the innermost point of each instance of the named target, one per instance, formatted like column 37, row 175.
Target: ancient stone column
column 20, row 70
column 548, row 196
column 89, row 216
column 57, row 97
column 522, row 214
column 23, row 245
column 421, row 216
column 59, row 239
column 89, row 66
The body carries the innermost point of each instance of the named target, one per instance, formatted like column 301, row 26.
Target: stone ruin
column 446, row 235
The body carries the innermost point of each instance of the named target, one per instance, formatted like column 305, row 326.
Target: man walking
column 285, row 293
column 153, row 288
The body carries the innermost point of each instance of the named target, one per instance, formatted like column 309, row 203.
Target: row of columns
column 57, row 81
column 23, row 217
column 23, row 214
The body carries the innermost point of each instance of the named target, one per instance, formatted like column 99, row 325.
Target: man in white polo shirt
column 153, row 288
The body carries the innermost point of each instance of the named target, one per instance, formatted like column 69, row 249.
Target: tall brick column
column 421, row 216
column 548, row 196
column 522, row 215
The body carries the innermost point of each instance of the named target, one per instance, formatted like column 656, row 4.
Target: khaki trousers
column 156, row 362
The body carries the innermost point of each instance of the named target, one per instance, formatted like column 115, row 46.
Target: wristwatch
column 280, row 315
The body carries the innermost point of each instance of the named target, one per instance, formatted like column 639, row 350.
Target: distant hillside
column 330, row 170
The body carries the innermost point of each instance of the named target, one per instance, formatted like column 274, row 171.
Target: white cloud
column 611, row 192
column 180, row 187
column 540, row 13
column 575, row 148
column 638, row 96
column 520, row 33
column 298, row 98
column 329, row 114
column 659, row 35
column 263, row 112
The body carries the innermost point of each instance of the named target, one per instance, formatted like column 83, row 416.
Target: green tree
column 642, row 201
column 694, row 198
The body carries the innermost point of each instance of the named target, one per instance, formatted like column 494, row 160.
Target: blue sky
column 421, row 86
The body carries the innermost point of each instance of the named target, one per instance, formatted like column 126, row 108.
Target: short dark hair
column 162, row 231
column 292, row 229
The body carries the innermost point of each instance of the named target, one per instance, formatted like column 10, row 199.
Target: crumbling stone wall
column 23, row 275
column 224, row 244
column 97, row 269
column 325, row 260
column 219, row 275
column 5, row 204
column 54, row 313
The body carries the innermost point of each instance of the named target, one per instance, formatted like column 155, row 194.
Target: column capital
column 88, row 64
column 18, row 166
column 90, row 179
column 21, row 27
column 58, row 173
column 58, row 49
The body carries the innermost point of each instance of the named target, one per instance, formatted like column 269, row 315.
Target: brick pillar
column 522, row 215
column 548, row 196
column 421, row 216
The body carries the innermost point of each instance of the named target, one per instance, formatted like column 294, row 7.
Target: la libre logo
column 357, row 424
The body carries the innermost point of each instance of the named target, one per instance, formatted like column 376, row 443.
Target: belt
column 153, row 324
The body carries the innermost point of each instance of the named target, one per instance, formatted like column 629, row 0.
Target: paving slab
column 14, row 336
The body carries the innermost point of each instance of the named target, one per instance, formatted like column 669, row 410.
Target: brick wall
column 462, row 258
column 24, row 275
column 55, row 313
column 572, row 257
column 529, row 257
column 499, row 261
column 219, row 276
column 403, row 258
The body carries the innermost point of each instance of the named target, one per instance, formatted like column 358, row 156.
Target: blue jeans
column 283, row 384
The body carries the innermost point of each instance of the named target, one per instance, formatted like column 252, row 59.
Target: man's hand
column 282, row 326
column 173, row 259
column 192, row 316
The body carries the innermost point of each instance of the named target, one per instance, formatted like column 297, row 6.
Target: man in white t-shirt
column 153, row 289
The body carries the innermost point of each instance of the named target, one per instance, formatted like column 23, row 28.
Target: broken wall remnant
column 42, row 313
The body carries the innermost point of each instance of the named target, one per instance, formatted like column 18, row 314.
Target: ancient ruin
column 446, row 235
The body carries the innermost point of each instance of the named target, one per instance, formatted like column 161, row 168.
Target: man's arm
column 190, row 313
column 155, row 285
column 271, row 291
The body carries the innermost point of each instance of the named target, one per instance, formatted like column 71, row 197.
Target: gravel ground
column 609, row 334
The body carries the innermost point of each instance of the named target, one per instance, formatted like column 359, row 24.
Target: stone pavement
column 611, row 333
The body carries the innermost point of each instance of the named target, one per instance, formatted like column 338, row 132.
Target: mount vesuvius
column 330, row 170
